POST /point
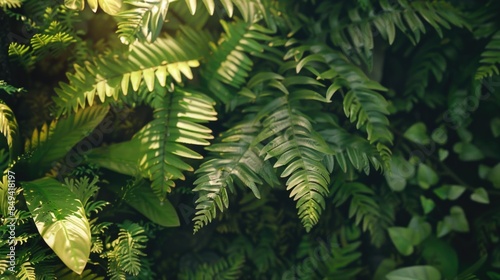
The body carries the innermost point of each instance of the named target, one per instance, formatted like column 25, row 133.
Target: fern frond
column 10, row 130
column 10, row 89
column 297, row 147
column 234, row 158
column 362, row 103
column 490, row 59
column 143, row 20
column 22, row 54
column 224, row 269
column 177, row 118
column 125, row 258
column 10, row 4
column 355, row 32
column 337, row 259
column 230, row 64
column 364, row 208
column 351, row 148
column 428, row 60
column 111, row 7
column 108, row 76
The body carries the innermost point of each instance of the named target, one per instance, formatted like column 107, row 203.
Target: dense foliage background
column 297, row 139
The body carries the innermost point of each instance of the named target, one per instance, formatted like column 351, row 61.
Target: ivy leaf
column 456, row 221
column 60, row 219
column 426, row 176
column 480, row 195
column 427, row 204
column 443, row 154
column 495, row 127
column 420, row 230
column 494, row 176
column 417, row 133
column 439, row 135
column 468, row 151
column 402, row 238
column 420, row 272
column 450, row 192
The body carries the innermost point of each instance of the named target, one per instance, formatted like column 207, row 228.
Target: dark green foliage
column 301, row 139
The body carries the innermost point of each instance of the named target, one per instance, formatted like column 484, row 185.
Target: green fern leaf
column 109, row 75
column 10, row 4
column 490, row 59
column 234, row 158
column 143, row 20
column 177, row 116
column 300, row 149
column 10, row 130
column 230, row 64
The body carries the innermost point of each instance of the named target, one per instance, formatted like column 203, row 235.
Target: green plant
column 361, row 119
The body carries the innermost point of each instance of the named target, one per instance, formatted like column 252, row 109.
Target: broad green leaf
column 427, row 204
column 450, row 192
column 418, row 272
column 111, row 7
column 426, row 176
column 480, row 195
column 53, row 143
column 420, row 230
column 142, row 198
column 75, row 4
column 60, row 219
column 468, row 151
column 495, row 127
column 122, row 157
column 417, row 133
column 400, row 171
column 441, row 255
column 402, row 239
column 494, row 176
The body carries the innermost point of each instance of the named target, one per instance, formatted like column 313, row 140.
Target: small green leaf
column 427, row 204
column 418, row 272
column 426, row 176
column 385, row 266
column 480, row 195
column 420, row 230
column 439, row 135
column 458, row 219
column 483, row 171
column 402, row 238
column 450, row 192
column 494, row 176
column 443, row 154
column 468, row 151
column 417, row 133
column 495, row 127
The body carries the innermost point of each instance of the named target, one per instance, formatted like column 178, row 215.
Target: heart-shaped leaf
column 427, row 204
column 480, row 195
column 417, row 133
column 402, row 239
column 426, row 176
